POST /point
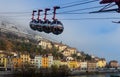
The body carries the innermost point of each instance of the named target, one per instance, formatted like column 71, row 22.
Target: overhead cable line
column 80, row 9
column 90, row 18
column 79, row 4
column 74, row 2
column 107, row 18
column 15, row 12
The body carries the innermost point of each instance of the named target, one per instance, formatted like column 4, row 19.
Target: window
column 36, row 60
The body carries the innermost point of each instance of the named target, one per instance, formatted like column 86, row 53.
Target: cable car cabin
column 117, row 2
column 39, row 25
column 47, row 26
column 57, row 27
column 108, row 1
column 33, row 24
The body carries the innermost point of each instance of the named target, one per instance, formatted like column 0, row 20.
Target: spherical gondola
column 47, row 26
column 33, row 24
column 57, row 27
column 39, row 25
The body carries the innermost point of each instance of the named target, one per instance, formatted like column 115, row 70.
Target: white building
column 37, row 61
column 83, row 66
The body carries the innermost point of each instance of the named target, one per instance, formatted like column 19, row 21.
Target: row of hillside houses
column 11, row 61
column 64, row 49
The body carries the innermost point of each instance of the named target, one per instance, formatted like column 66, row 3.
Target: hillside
column 14, row 39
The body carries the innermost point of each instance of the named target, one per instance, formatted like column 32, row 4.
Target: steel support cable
column 78, row 4
column 74, row 2
column 60, row 14
column 75, row 19
column 80, row 9
column 90, row 18
column 51, row 9
column 15, row 12
column 81, row 13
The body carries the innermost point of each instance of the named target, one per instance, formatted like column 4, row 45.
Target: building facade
column 113, row 64
column 83, row 66
column 25, row 58
column 101, row 63
column 43, row 61
column 17, row 62
column 73, row 64
column 45, row 44
column 91, row 66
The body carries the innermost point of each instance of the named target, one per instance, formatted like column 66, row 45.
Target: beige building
column 83, row 66
column 61, row 47
column 79, row 54
column 25, row 58
column 45, row 44
column 64, row 63
column 113, row 64
column 91, row 66
column 5, row 60
column 56, row 63
column 69, row 51
column 2, row 57
column 73, row 64
column 101, row 63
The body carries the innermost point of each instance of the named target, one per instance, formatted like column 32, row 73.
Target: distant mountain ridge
column 22, row 31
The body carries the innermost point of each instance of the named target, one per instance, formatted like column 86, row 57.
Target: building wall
column 63, row 63
column 101, row 64
column 2, row 56
column 37, row 61
column 17, row 62
column 62, row 47
column 66, row 53
column 113, row 64
column 83, row 66
column 43, row 61
column 56, row 62
column 69, row 51
column 25, row 58
column 45, row 44
column 91, row 66
column 72, row 64
column 50, row 61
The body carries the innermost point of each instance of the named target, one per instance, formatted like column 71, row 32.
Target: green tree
column 2, row 45
column 88, row 57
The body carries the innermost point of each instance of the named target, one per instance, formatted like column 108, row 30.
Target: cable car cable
column 80, row 9
column 51, row 9
column 74, row 2
column 90, row 18
column 78, row 4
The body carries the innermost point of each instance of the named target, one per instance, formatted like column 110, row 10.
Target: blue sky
column 96, row 37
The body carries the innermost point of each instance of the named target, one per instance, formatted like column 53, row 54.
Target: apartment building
column 44, row 61
column 113, row 64
column 91, row 66
column 45, row 44
column 101, row 63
